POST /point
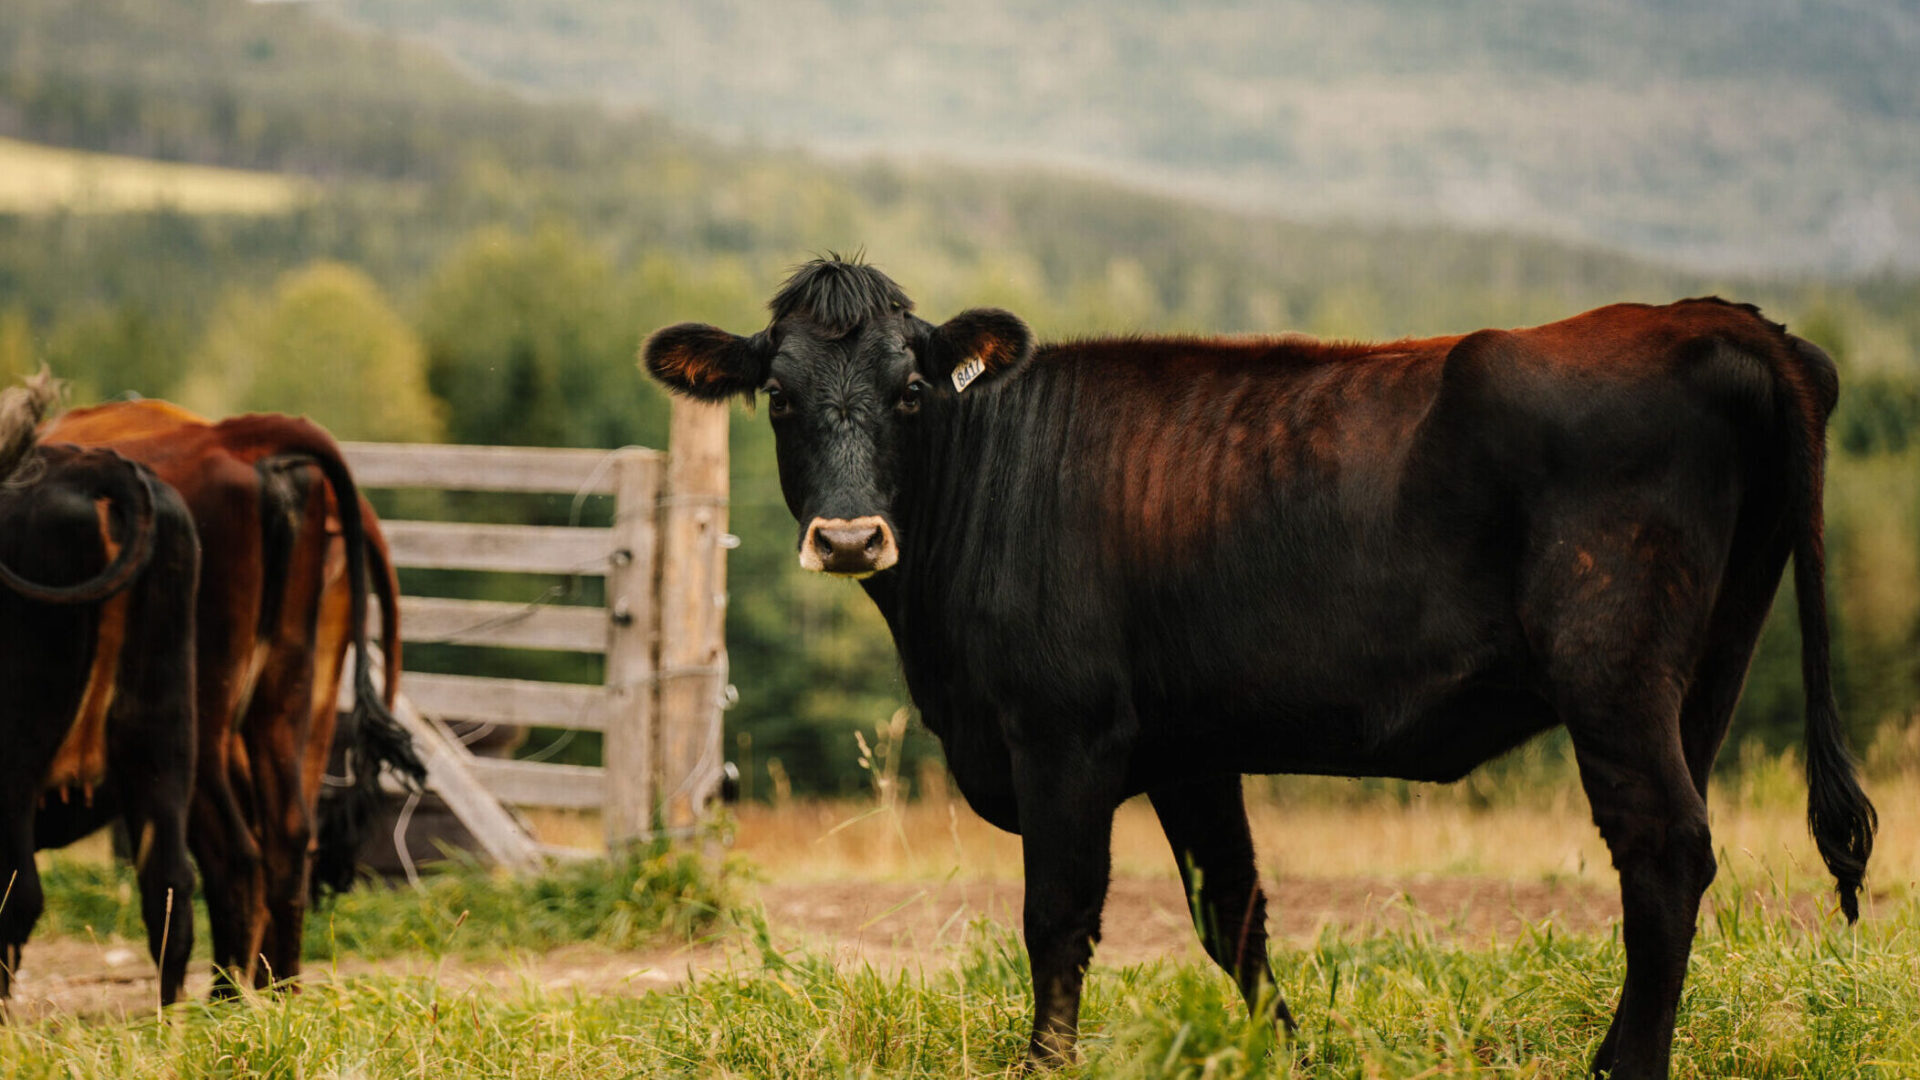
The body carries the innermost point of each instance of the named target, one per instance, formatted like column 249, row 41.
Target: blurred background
column 454, row 220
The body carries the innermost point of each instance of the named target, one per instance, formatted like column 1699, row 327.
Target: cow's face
column 846, row 380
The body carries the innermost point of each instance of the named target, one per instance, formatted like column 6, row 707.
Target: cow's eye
column 778, row 402
column 910, row 397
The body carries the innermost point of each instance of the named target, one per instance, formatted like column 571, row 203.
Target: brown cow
column 97, row 571
column 283, row 595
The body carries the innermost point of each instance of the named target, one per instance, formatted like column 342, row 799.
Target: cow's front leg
column 1067, row 798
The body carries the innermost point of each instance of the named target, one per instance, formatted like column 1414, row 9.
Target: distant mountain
column 1726, row 134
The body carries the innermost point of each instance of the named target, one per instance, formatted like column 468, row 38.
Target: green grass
column 656, row 893
column 1768, row 996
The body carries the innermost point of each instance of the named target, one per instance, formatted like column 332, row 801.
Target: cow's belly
column 978, row 758
column 1442, row 740
column 1420, row 698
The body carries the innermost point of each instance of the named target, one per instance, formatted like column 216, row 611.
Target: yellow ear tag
column 964, row 375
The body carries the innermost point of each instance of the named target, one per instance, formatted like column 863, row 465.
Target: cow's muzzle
column 853, row 548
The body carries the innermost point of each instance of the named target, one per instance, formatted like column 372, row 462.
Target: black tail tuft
column 372, row 740
column 1841, row 819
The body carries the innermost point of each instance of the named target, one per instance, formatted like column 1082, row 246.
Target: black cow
column 1155, row 564
column 98, row 565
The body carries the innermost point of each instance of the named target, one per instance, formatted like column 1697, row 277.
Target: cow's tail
column 369, row 734
column 386, row 589
column 371, row 737
column 129, row 494
column 129, row 503
column 1839, row 815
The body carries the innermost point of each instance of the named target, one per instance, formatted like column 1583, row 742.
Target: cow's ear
column 976, row 346
column 705, row 361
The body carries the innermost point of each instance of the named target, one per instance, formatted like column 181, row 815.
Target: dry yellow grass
column 1335, row 829
column 37, row 179
column 1330, row 829
column 1437, row 837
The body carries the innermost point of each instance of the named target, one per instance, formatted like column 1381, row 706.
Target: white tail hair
column 21, row 410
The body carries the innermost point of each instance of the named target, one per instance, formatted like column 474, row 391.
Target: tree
column 325, row 344
column 522, row 336
column 16, row 346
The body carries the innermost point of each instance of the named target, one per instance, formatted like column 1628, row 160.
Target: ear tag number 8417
column 964, row 375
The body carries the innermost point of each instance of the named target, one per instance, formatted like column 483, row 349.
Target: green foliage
column 519, row 328
column 325, row 344
column 111, row 349
column 655, row 893
column 658, row 892
column 91, row 899
column 17, row 357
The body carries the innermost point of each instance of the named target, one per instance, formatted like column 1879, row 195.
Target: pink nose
column 854, row 548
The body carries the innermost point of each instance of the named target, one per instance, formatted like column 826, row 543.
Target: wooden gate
column 661, row 631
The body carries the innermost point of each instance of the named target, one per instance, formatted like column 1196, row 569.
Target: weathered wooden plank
column 526, row 549
column 485, row 622
column 631, row 742
column 483, row 468
column 531, row 783
column 509, row 701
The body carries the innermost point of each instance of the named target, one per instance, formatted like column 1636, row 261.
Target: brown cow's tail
column 1839, row 814
column 371, row 737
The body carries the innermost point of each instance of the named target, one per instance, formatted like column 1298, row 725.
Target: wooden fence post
column 632, row 622
column 692, row 618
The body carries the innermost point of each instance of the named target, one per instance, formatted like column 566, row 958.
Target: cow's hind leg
column 285, row 834
column 21, row 900
column 153, row 744
column 156, row 818
column 1619, row 612
column 229, row 860
column 1655, row 824
column 1205, row 821
column 278, row 729
column 289, row 728
column 153, row 755
column 1739, row 615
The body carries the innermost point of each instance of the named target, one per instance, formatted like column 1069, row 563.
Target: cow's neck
column 982, row 470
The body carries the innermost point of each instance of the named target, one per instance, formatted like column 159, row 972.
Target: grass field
column 37, row 179
column 667, row 963
column 1769, row 996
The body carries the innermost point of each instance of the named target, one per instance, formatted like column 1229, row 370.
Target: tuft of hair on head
column 837, row 294
column 21, row 410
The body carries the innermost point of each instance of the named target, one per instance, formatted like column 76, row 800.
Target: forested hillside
column 1723, row 133
column 463, row 263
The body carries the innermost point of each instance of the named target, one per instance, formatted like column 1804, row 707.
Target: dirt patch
column 887, row 924
column 1146, row 918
